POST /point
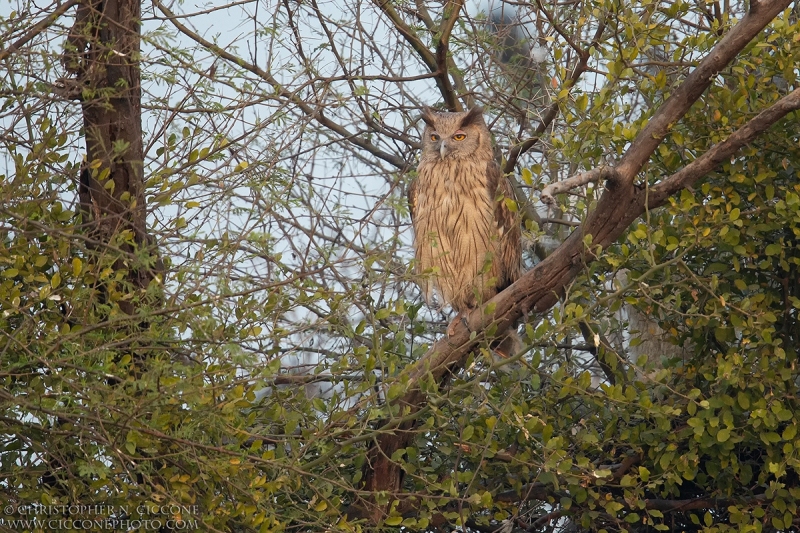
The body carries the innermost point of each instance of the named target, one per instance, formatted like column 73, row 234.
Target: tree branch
column 600, row 173
column 451, row 10
column 541, row 492
column 552, row 110
column 596, row 341
column 704, row 164
column 431, row 60
column 669, row 506
column 558, row 29
column 405, row 30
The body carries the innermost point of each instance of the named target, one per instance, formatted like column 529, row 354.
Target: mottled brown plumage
column 466, row 239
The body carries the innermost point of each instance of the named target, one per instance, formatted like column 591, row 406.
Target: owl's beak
column 443, row 150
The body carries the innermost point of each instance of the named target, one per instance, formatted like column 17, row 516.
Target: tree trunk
column 102, row 53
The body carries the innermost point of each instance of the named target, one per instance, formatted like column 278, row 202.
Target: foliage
column 246, row 385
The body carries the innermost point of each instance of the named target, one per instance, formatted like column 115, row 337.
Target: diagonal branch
column 704, row 164
column 544, row 492
column 558, row 29
column 657, row 128
column 658, row 194
column 405, row 30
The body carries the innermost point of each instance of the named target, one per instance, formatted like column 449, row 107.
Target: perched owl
column 465, row 236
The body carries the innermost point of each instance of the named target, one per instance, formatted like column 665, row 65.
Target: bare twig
column 548, row 220
column 315, row 113
column 38, row 28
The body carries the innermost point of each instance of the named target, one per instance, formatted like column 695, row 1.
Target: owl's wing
column 412, row 196
column 507, row 224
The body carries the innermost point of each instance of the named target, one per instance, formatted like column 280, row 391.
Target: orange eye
column 434, row 137
column 459, row 137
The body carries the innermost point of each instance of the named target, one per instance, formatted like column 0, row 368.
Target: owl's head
column 455, row 135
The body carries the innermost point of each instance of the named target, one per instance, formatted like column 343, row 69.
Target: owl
column 466, row 239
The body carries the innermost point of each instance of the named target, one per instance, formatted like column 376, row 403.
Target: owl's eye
column 459, row 137
column 434, row 137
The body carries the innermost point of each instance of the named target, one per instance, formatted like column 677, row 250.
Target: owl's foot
column 508, row 346
column 451, row 328
column 502, row 354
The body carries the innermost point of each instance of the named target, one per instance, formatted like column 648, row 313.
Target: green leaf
column 527, row 176
column 393, row 521
column 743, row 400
column 468, row 432
column 773, row 249
column 321, row 506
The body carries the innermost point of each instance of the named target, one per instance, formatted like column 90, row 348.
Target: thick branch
column 421, row 13
column 668, row 506
column 704, row 164
column 432, row 61
column 543, row 492
column 405, row 30
column 531, row 491
column 112, row 128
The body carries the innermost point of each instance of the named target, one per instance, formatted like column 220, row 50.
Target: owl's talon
column 451, row 328
column 501, row 353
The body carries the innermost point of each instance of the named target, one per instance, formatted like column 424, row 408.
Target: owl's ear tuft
column 427, row 116
column 473, row 116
